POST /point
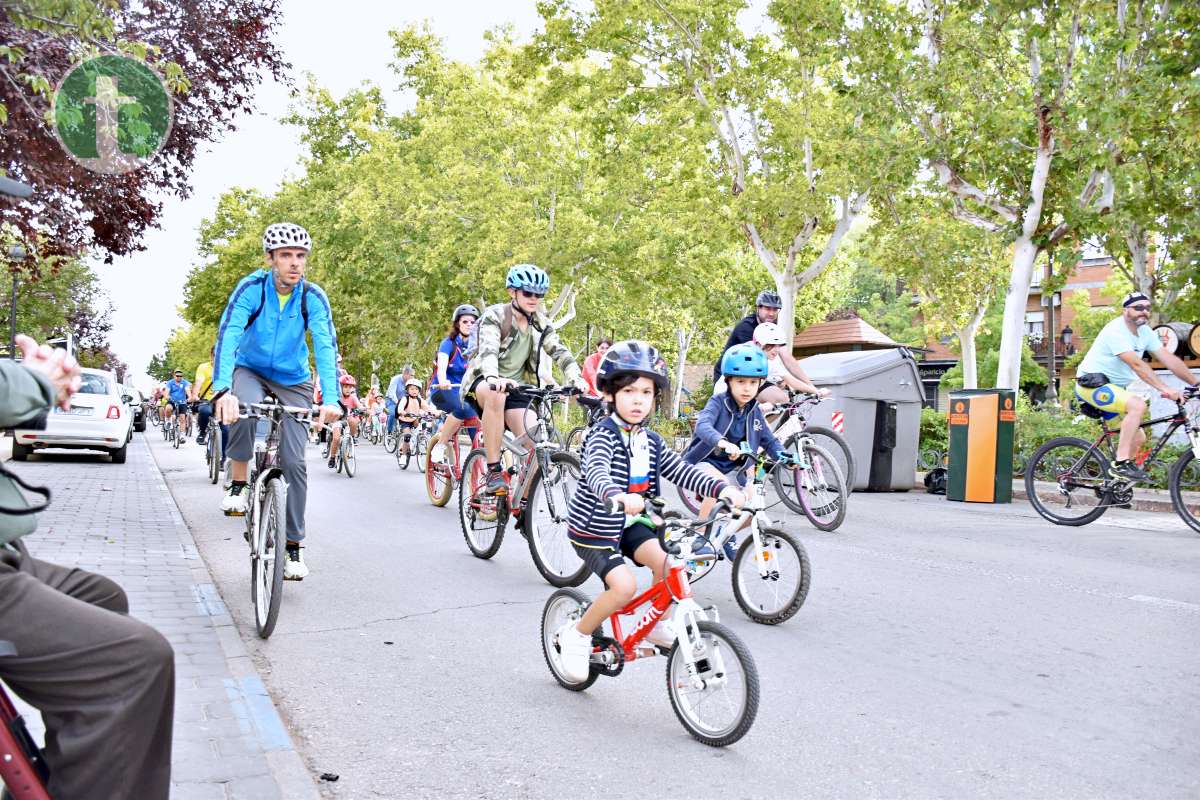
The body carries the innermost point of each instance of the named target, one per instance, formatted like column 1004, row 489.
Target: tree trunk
column 1138, row 242
column 683, row 339
column 1012, row 336
column 966, row 345
column 785, row 284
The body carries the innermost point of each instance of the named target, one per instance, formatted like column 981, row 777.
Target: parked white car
column 99, row 419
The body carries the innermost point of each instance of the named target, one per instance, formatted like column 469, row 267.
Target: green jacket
column 23, row 394
column 491, row 343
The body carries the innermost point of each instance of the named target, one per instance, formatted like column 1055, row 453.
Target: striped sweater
column 606, row 474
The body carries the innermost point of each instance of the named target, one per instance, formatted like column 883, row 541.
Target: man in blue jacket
column 260, row 349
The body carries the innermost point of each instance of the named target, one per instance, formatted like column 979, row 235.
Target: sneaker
column 575, row 650
column 497, row 485
column 1128, row 471
column 236, row 501
column 331, row 463
column 662, row 634
column 294, row 569
column 200, row 441
column 438, row 453
column 730, row 548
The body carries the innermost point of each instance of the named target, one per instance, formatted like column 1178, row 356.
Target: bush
column 935, row 432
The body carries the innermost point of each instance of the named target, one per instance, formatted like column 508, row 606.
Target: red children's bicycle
column 442, row 476
column 22, row 768
column 711, row 677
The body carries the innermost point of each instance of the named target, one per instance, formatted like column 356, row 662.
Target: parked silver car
column 99, row 418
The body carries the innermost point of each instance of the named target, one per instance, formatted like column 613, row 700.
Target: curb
column 247, row 693
column 1154, row 500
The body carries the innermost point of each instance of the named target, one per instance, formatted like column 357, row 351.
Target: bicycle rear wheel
column 545, row 522
column 563, row 605
column 389, row 442
column 574, row 441
column 479, row 513
column 176, row 432
column 776, row 594
column 835, row 444
column 721, row 709
column 267, row 559
column 1066, row 482
column 1184, row 483
column 817, row 489
column 691, row 501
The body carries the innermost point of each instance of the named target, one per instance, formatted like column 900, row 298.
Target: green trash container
column 982, row 425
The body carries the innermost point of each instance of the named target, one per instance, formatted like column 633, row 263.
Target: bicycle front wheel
column 478, row 512
column 403, row 454
column 574, row 440
column 439, row 480
column 422, row 451
column 718, row 705
column 545, row 522
column 1066, row 481
column 771, row 583
column 216, row 454
column 267, row 559
column 1184, row 483
column 389, row 442
column 348, row 456
column 691, row 501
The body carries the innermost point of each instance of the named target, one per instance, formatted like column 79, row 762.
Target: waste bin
column 981, row 445
column 878, row 395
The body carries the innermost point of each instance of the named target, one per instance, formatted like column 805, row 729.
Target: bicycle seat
column 1088, row 410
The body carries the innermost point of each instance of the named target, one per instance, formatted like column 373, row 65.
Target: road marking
column 256, row 714
column 208, row 600
column 1163, row 601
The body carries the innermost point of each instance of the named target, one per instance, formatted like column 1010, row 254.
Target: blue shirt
column 456, row 366
column 178, row 391
column 1116, row 338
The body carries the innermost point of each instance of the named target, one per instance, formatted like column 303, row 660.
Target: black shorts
column 603, row 560
column 514, row 399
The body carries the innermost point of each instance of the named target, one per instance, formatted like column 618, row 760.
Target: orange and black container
column 982, row 423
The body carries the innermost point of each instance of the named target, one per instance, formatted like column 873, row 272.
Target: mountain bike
column 771, row 571
column 594, row 407
column 712, row 680
column 23, row 768
column 214, row 453
column 266, row 514
column 442, row 476
column 1067, row 480
column 542, row 478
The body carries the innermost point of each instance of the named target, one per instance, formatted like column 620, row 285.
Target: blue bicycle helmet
column 529, row 277
column 632, row 357
column 744, row 361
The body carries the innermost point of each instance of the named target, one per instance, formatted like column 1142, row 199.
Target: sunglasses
column 532, row 295
column 1140, row 308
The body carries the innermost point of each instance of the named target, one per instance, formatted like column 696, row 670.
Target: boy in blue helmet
column 731, row 418
column 511, row 339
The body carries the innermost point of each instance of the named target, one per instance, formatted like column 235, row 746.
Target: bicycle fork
column 705, row 665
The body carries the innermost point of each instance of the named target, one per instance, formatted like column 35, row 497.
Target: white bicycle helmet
column 413, row 382
column 768, row 333
column 286, row 234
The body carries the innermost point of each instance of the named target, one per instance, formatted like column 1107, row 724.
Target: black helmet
column 768, row 298
column 465, row 310
column 632, row 357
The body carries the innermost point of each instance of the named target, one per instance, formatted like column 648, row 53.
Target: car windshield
column 93, row 384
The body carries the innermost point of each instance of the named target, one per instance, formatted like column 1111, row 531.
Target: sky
column 341, row 50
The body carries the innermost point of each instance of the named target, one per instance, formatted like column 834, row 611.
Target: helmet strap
column 521, row 311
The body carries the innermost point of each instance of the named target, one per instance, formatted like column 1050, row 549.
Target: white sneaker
column 235, row 502
column 438, row 453
column 575, row 649
column 294, row 569
column 662, row 634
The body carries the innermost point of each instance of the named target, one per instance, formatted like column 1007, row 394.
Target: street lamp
column 16, row 254
column 1067, row 333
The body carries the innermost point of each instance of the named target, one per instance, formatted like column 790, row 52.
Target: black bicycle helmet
column 768, row 298
column 465, row 310
column 632, row 357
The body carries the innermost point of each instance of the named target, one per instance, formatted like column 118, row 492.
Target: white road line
column 1163, row 601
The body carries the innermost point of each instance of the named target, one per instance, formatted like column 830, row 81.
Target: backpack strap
column 263, row 301
column 506, row 324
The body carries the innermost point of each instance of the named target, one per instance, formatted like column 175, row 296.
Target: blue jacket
column 274, row 346
column 715, row 420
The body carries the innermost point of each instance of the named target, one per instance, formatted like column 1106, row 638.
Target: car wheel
column 118, row 455
column 20, row 452
column 140, row 427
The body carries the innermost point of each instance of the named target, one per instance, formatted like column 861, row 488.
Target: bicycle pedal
column 235, row 513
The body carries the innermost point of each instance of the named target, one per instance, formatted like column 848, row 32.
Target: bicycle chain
column 613, row 646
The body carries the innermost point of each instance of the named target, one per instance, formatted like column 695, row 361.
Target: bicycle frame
column 1178, row 419
column 22, row 768
column 541, row 436
column 753, row 515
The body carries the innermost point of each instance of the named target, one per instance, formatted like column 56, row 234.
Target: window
column 94, row 384
column 1035, row 324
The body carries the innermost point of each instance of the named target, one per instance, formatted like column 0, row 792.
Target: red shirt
column 590, row 365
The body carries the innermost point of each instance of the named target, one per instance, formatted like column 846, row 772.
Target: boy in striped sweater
column 621, row 461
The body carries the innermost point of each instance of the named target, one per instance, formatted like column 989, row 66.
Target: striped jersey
column 607, row 460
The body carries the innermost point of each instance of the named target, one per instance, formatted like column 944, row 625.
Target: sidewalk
column 1143, row 499
column 229, row 741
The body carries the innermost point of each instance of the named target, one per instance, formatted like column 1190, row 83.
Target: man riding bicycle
column 201, row 394
column 1115, row 380
column 512, row 337
column 261, row 349
column 177, row 393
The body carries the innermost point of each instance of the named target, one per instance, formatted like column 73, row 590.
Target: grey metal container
column 879, row 394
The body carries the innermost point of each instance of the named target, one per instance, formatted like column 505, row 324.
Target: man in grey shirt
column 103, row 681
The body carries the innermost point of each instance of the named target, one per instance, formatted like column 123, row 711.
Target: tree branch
column 850, row 211
column 963, row 190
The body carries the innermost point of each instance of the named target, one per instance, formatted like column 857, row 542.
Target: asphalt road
column 945, row 650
